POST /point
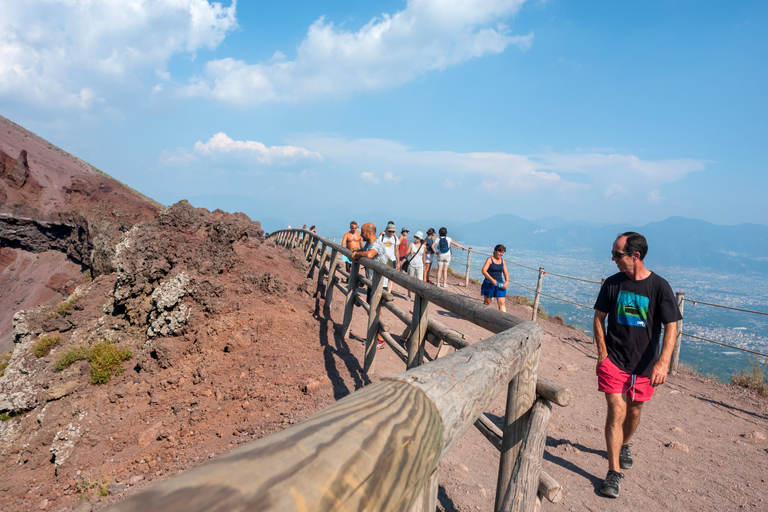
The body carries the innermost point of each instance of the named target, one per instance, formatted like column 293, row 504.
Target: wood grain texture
column 521, row 395
column 418, row 332
column 332, row 278
column 349, row 306
column 464, row 383
column 374, row 319
column 522, row 491
column 373, row 450
column 426, row 501
column 553, row 392
column 549, row 487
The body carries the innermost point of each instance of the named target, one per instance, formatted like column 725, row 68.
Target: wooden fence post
column 419, row 324
column 522, row 490
column 373, row 322
column 466, row 273
column 675, row 361
column 319, row 290
column 537, row 295
column 328, row 295
column 349, row 306
column 313, row 259
column 427, row 500
column 521, row 394
column 309, row 244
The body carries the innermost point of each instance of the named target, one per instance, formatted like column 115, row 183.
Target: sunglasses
column 618, row 255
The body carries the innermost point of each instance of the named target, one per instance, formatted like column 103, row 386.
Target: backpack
column 443, row 245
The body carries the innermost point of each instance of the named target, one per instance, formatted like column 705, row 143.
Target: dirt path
column 701, row 444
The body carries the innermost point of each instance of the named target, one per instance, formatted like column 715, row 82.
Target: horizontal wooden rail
column 523, row 431
column 403, row 424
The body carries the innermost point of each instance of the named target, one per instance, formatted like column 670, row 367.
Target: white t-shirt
column 417, row 259
column 391, row 243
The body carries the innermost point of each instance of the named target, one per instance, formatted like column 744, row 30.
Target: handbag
column 407, row 263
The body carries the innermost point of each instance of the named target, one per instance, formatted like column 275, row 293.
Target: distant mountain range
column 676, row 241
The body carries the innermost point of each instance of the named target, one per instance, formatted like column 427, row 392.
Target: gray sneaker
column 611, row 484
column 625, row 457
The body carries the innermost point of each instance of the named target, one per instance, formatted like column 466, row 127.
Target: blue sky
column 595, row 111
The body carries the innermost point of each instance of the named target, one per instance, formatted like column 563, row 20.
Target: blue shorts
column 487, row 289
column 346, row 260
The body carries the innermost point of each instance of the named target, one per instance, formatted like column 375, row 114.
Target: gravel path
column 701, row 444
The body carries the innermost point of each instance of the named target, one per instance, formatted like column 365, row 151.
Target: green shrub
column 4, row 360
column 67, row 305
column 71, row 356
column 106, row 360
column 756, row 377
column 87, row 487
column 44, row 344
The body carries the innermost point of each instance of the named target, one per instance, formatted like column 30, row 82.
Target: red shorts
column 612, row 379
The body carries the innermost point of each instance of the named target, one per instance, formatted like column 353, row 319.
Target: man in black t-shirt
column 637, row 303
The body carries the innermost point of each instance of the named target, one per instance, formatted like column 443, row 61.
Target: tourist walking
column 402, row 247
column 496, row 278
column 442, row 248
column 391, row 242
column 414, row 258
column 637, row 303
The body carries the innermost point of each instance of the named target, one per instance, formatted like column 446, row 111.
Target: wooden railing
column 379, row 448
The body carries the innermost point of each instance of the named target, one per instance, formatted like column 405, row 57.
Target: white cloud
column 549, row 176
column 268, row 155
column 369, row 177
column 614, row 189
column 72, row 53
column 388, row 51
column 655, row 197
column 391, row 177
column 569, row 176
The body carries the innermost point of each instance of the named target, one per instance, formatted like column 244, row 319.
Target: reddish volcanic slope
column 59, row 217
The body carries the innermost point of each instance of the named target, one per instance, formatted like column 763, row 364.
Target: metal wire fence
column 538, row 293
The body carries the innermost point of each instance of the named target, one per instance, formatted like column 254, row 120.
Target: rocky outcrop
column 67, row 233
column 15, row 171
column 19, row 389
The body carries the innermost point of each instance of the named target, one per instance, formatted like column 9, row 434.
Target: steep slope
column 59, row 217
column 220, row 328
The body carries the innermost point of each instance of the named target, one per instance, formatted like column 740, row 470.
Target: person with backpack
column 442, row 247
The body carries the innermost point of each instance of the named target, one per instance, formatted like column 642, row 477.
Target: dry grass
column 45, row 344
column 755, row 377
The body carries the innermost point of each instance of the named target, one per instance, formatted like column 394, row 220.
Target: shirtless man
column 352, row 241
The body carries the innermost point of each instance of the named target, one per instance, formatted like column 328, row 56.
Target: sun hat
column 419, row 235
column 404, row 230
column 391, row 226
